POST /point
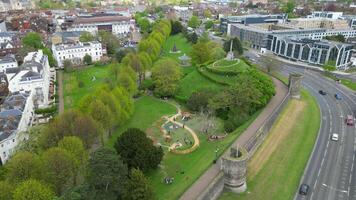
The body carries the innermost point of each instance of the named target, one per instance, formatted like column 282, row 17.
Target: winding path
column 194, row 135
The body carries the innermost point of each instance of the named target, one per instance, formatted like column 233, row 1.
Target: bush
column 80, row 84
column 200, row 99
column 147, row 85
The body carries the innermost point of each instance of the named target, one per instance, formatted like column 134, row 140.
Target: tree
column 194, row 22
column 121, row 53
column 32, row 190
column 6, row 190
column 144, row 24
column 138, row 187
column 207, row 13
column 67, row 65
column 22, row 166
column 201, row 53
column 110, row 41
column 209, row 24
column 101, row 114
column 165, row 74
column 106, row 175
column 337, row 38
column 289, row 7
column 270, row 63
column 32, row 39
column 57, row 168
column 137, row 150
column 192, row 38
column 236, row 46
column 76, row 148
column 86, row 37
column 48, row 53
column 87, row 59
column 200, row 99
column 177, row 27
column 218, row 53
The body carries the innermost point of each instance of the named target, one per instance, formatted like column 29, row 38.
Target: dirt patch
column 278, row 133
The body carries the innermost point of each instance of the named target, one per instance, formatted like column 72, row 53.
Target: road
column 330, row 171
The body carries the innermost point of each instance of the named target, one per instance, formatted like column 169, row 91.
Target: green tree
column 121, row 53
column 144, row 24
column 165, row 74
column 106, row 175
column 207, row 13
column 201, row 53
column 110, row 41
column 138, row 187
column 137, row 150
column 200, row 99
column 48, row 53
column 177, row 27
column 68, row 65
column 192, row 38
column 236, row 46
column 209, row 24
column 125, row 101
column 57, row 168
column 22, row 166
column 32, row 190
column 87, row 59
column 218, row 53
column 289, row 7
column 86, row 37
column 101, row 114
column 6, row 190
column 75, row 147
column 32, row 39
column 194, row 22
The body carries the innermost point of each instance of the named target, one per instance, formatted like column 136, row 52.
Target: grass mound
column 231, row 67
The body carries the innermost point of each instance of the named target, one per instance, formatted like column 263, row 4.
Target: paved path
column 202, row 183
column 60, row 91
column 194, row 135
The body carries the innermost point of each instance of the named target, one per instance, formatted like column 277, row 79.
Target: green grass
column 278, row 179
column 194, row 82
column 348, row 83
column 181, row 43
column 223, row 79
column 72, row 93
column 147, row 111
column 229, row 66
column 192, row 165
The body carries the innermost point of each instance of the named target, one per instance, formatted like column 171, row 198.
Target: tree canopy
column 32, row 190
column 137, row 150
column 32, row 39
column 194, row 22
column 138, row 187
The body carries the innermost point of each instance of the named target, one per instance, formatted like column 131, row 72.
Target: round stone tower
column 234, row 168
column 295, row 83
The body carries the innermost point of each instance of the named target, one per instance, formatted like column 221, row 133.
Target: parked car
column 335, row 137
column 349, row 120
column 322, row 92
column 338, row 96
column 303, row 190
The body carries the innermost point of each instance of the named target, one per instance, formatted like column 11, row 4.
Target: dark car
column 322, row 92
column 303, row 190
column 338, row 96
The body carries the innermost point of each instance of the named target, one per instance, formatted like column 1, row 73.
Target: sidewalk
column 60, row 91
column 205, row 179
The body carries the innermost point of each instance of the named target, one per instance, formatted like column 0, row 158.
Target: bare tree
column 207, row 118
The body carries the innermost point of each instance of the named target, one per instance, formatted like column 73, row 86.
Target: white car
column 335, row 137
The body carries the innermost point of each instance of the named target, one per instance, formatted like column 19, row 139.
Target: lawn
column 348, row 83
column 229, row 66
column 147, row 111
column 72, row 93
column 181, row 43
column 194, row 81
column 185, row 169
column 279, row 177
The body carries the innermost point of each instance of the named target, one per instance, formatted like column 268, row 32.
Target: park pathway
column 172, row 119
column 60, row 91
column 205, row 179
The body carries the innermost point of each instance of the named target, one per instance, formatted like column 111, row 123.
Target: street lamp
column 216, row 155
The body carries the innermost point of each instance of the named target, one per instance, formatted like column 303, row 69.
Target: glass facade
column 305, row 53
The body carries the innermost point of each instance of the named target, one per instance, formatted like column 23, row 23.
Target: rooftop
column 77, row 45
column 90, row 20
column 7, row 59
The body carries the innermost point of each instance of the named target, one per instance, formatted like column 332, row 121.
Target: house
column 34, row 76
column 118, row 25
column 66, row 37
column 76, row 52
column 7, row 62
column 16, row 115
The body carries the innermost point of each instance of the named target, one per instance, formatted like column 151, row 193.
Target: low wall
column 215, row 188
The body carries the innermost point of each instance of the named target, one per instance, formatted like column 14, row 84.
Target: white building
column 325, row 14
column 34, row 76
column 118, row 25
column 76, row 52
column 16, row 115
column 8, row 62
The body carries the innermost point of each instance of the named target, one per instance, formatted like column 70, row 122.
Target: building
column 318, row 52
column 3, row 25
column 325, row 14
column 7, row 5
column 319, row 23
column 250, row 19
column 65, row 37
column 33, row 76
column 118, row 25
column 76, row 52
column 7, row 62
column 10, row 42
column 16, row 115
